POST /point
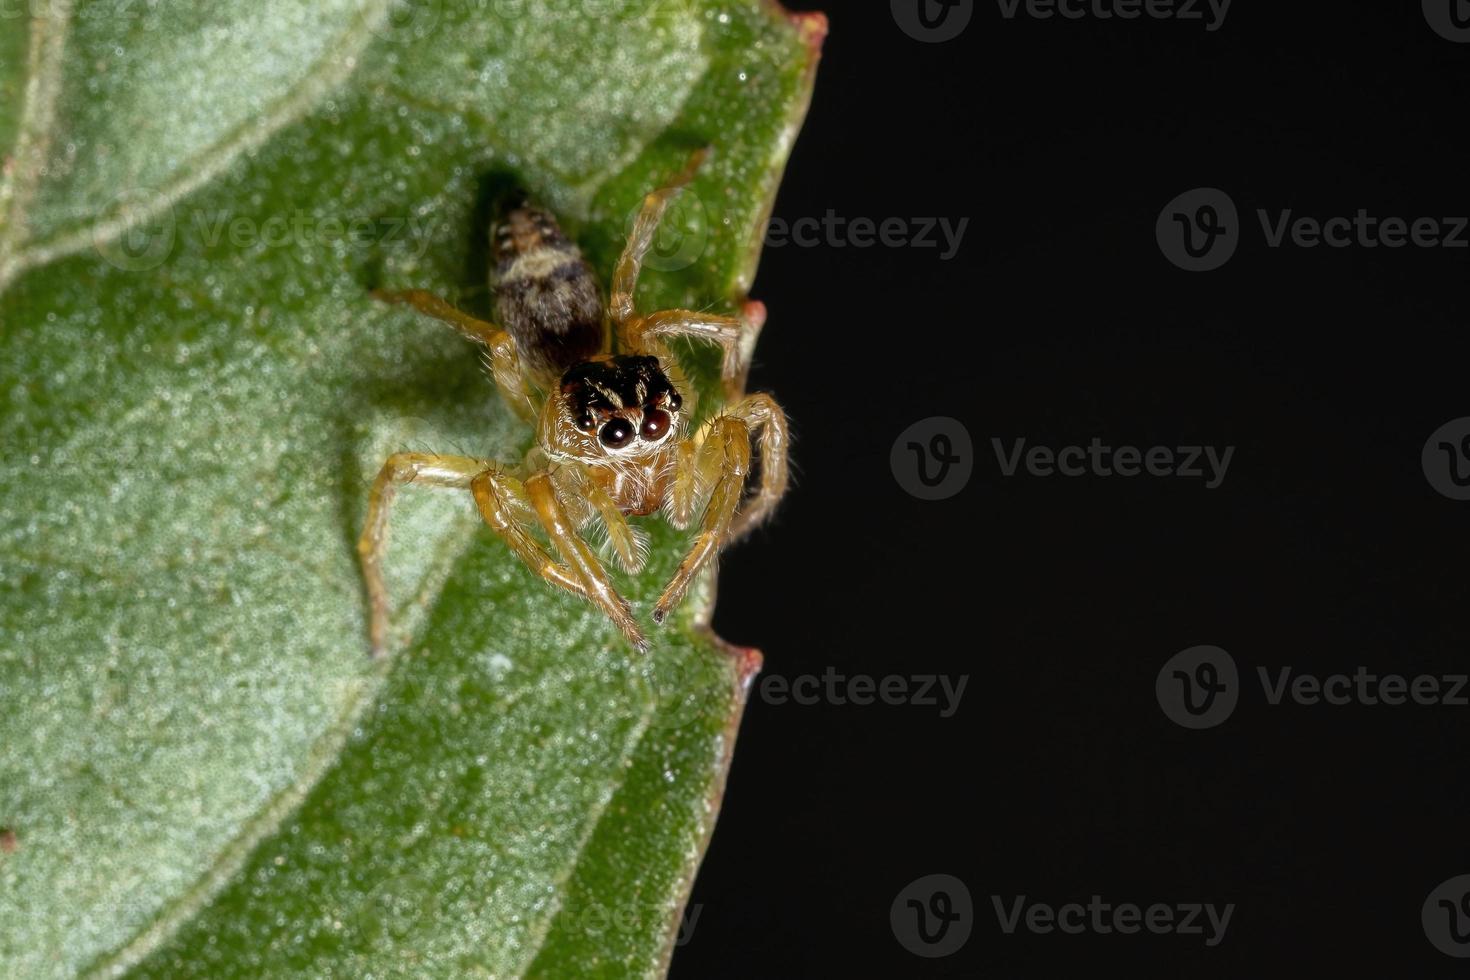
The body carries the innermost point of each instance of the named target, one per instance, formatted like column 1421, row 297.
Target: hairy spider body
column 546, row 295
column 611, row 426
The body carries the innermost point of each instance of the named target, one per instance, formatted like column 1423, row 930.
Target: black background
column 1325, row 548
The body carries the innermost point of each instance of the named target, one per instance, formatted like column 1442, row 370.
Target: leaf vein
column 49, row 25
column 333, row 68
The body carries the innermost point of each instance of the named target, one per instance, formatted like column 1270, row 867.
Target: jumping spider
column 610, row 427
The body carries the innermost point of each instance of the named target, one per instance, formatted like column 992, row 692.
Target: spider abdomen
column 546, row 295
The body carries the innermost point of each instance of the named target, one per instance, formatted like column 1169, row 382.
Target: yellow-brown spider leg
column 640, row 239
column 764, row 418
column 452, row 472
column 499, row 497
column 728, row 442
column 579, row 555
column 684, row 487
column 576, row 479
column 505, row 361
column 647, row 335
column 495, row 493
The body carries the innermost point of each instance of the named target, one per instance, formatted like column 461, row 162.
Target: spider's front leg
column 498, row 496
column 723, row 461
column 578, row 554
column 727, row 448
column 765, row 418
column 575, row 481
column 445, row 472
column 735, row 336
column 640, row 240
column 505, row 360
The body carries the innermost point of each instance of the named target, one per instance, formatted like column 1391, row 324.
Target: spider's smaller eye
column 586, row 423
column 616, row 433
column 655, row 424
column 676, row 401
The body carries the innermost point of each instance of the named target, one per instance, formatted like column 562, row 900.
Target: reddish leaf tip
column 812, row 26
column 753, row 312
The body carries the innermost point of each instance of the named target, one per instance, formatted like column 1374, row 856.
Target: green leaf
column 203, row 773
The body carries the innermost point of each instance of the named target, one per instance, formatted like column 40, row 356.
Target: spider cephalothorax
column 610, row 425
column 626, row 400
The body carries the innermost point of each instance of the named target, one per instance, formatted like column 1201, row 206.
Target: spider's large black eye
column 615, row 434
column 655, row 424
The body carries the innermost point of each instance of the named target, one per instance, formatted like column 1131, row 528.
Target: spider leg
column 645, row 227
column 728, row 444
column 684, row 487
column 765, row 419
column 497, row 496
column 505, row 361
column 501, row 499
column 578, row 554
column 647, row 334
column 575, row 478
column 452, row 472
